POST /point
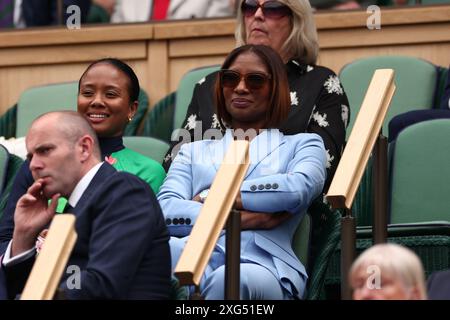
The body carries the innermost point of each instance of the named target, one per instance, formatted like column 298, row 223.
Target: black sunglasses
column 270, row 9
column 253, row 80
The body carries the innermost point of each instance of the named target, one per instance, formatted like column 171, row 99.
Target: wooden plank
column 158, row 70
column 194, row 28
column 201, row 47
column 362, row 139
column 71, row 53
column 388, row 35
column 51, row 261
column 213, row 214
column 93, row 34
column 389, row 16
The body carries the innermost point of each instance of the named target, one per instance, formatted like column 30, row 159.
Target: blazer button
column 261, row 187
column 168, row 221
column 181, row 220
column 175, row 221
column 187, row 221
column 268, row 186
column 253, row 188
column 275, row 186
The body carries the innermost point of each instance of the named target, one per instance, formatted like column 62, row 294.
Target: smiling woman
column 107, row 97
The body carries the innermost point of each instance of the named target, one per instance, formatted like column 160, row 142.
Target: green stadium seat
column 147, row 146
column 185, row 90
column 415, row 81
column 158, row 122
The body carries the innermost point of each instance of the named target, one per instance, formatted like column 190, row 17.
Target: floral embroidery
column 168, row 157
column 294, row 98
column 110, row 160
column 215, row 123
column 333, row 85
column 321, row 119
column 191, row 122
column 329, row 159
column 344, row 114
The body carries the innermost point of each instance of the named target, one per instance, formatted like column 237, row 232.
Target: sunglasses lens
column 275, row 10
column 271, row 9
column 249, row 8
column 255, row 81
column 230, row 79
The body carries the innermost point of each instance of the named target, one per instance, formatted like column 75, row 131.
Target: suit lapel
column 218, row 149
column 105, row 171
column 261, row 147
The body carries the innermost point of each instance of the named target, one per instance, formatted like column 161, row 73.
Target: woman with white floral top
column 318, row 101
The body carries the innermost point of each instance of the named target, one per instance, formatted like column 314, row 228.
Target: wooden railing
column 364, row 137
column 51, row 261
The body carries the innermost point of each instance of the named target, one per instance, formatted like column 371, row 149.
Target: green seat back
column 420, row 173
column 62, row 96
column 185, row 91
column 4, row 158
column 158, row 122
column 440, row 88
column 415, row 81
column 301, row 240
column 148, row 146
column 13, row 166
column 39, row 100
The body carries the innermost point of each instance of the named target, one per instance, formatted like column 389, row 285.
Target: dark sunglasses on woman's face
column 253, row 80
column 270, row 9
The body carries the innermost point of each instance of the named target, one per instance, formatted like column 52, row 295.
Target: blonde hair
column 302, row 43
column 397, row 261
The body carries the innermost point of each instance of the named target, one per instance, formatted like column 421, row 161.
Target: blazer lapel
column 218, row 149
column 263, row 145
column 105, row 171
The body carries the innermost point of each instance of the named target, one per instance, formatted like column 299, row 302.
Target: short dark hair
column 73, row 126
column 279, row 101
column 133, row 81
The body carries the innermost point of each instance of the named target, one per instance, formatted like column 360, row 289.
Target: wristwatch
column 203, row 195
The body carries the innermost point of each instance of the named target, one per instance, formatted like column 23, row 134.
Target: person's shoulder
column 143, row 160
column 309, row 70
column 303, row 138
column 322, row 70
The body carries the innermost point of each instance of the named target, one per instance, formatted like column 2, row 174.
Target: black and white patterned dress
column 318, row 105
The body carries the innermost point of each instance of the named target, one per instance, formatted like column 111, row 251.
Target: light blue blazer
column 285, row 174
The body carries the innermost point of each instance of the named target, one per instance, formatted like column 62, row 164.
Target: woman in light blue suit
column 286, row 173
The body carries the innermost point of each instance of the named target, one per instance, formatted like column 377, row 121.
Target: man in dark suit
column 122, row 247
column 45, row 12
column 438, row 286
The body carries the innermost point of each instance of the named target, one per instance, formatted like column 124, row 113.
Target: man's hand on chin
column 33, row 213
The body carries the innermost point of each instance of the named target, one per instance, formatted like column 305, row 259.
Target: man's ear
column 86, row 146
